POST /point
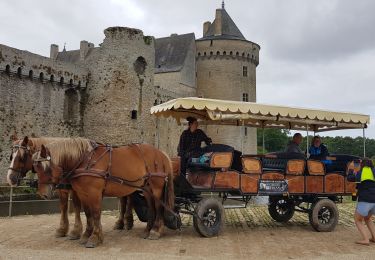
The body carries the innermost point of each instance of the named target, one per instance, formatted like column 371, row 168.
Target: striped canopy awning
column 225, row 112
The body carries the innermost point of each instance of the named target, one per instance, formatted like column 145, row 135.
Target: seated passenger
column 293, row 145
column 317, row 150
column 190, row 143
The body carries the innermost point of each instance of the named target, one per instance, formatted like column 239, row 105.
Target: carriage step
column 240, row 206
column 235, row 197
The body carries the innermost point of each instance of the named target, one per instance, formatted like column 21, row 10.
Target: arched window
column 199, row 54
column 31, row 74
column 140, row 65
column 41, row 77
column 79, row 84
column 211, row 53
column 71, row 82
column 224, row 53
column 243, row 54
column 52, row 78
column 231, row 53
column 204, row 53
column 237, row 53
column 218, row 53
column 19, row 72
column 7, row 69
column 62, row 81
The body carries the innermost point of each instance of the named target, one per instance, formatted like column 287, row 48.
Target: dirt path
column 249, row 234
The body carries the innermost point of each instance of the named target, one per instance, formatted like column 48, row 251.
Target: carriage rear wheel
column 324, row 215
column 281, row 210
column 208, row 219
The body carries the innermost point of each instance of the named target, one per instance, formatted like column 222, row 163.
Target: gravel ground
column 248, row 234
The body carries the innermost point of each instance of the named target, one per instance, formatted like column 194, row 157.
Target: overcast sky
column 314, row 53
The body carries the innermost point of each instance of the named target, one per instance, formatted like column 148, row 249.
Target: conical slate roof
column 229, row 29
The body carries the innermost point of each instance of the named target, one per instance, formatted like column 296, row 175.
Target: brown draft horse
column 110, row 171
column 21, row 163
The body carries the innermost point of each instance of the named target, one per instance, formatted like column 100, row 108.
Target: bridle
column 21, row 171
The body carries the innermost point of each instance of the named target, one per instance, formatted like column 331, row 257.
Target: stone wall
column 32, row 108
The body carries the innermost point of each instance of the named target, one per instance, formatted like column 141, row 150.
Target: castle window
column 7, row 69
column 71, row 82
column 31, row 74
column 41, row 77
column 199, row 54
column 205, row 54
column 134, row 114
column 218, row 53
column 52, row 78
column 224, row 53
column 62, row 81
column 140, row 65
column 237, row 53
column 79, row 84
column 211, row 53
column 244, row 71
column 245, row 131
column 231, row 53
column 19, row 72
column 71, row 106
column 211, row 43
column 245, row 97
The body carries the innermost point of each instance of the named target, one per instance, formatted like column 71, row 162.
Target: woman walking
column 365, row 179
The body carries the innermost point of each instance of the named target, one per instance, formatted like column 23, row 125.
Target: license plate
column 273, row 187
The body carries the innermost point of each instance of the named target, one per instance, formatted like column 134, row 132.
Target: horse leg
column 64, row 221
column 150, row 213
column 158, row 226
column 96, row 237
column 129, row 220
column 77, row 230
column 89, row 226
column 120, row 222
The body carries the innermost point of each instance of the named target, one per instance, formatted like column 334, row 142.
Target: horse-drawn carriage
column 292, row 182
column 143, row 172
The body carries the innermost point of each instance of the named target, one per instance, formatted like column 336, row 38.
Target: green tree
column 274, row 139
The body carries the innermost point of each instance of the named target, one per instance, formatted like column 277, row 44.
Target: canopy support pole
column 263, row 144
column 307, row 141
column 364, row 142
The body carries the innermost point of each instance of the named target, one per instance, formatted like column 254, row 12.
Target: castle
column 105, row 93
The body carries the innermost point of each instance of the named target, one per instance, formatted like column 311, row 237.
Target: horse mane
column 36, row 143
column 64, row 151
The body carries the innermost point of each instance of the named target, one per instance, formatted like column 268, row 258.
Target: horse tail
column 170, row 185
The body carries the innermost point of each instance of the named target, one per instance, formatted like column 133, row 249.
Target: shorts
column 365, row 208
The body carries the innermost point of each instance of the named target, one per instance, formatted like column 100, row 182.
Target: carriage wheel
column 281, row 210
column 208, row 219
column 324, row 215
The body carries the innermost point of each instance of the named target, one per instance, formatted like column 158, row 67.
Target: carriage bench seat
column 274, row 164
column 213, row 160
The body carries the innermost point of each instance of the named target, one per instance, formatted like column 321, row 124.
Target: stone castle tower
column 226, row 69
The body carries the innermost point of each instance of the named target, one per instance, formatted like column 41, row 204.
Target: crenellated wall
column 36, row 67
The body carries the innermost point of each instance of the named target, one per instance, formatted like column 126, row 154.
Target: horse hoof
column 129, row 226
column 83, row 240
column 74, row 236
column 119, row 225
column 154, row 235
column 60, row 233
column 90, row 245
column 145, row 234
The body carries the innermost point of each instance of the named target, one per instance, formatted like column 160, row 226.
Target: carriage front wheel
column 324, row 215
column 280, row 209
column 209, row 217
